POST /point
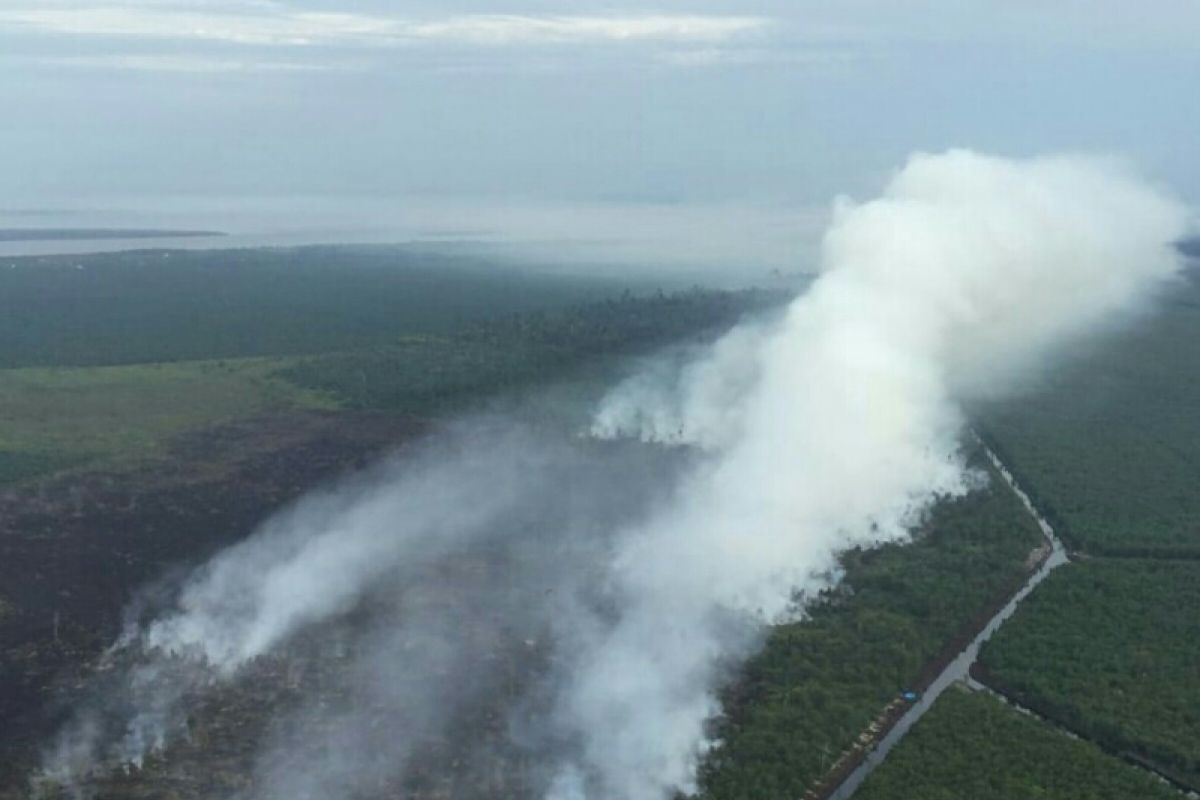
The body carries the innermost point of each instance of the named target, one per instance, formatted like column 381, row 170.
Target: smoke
column 967, row 269
column 573, row 605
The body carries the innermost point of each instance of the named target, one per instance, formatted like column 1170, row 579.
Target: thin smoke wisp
column 643, row 575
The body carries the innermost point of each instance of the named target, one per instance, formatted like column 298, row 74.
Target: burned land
column 76, row 551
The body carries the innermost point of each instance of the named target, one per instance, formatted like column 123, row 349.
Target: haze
column 656, row 133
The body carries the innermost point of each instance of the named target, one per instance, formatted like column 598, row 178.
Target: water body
column 744, row 242
column 115, row 242
column 94, row 234
column 959, row 668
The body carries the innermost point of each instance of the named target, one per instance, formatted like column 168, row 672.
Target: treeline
column 179, row 305
column 1111, row 649
column 971, row 746
column 818, row 683
column 427, row 375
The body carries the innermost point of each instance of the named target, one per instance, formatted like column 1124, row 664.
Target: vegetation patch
column 56, row 417
column 427, row 375
column 17, row 465
column 1111, row 649
column 179, row 305
column 1109, row 445
column 972, row 745
column 53, row 418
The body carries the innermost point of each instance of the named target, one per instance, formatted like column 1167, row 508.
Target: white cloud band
column 266, row 28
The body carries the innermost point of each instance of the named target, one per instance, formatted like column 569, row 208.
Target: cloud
column 742, row 56
column 178, row 63
column 497, row 29
column 268, row 25
column 302, row 28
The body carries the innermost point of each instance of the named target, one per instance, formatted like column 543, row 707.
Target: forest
column 819, row 682
column 184, row 305
column 426, row 375
column 1108, row 443
column 1111, row 649
column 971, row 745
column 1108, row 447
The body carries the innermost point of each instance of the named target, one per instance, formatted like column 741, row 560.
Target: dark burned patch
column 287, row 707
column 438, row 684
column 73, row 550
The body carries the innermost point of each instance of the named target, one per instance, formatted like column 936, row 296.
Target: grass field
column 1111, row 648
column 971, row 746
column 56, row 417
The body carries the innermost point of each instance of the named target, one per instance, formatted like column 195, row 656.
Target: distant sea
column 729, row 243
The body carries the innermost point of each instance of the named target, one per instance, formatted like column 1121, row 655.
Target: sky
column 631, row 110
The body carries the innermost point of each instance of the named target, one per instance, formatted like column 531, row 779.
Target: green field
column 52, row 418
column 971, row 746
column 818, row 683
column 1109, row 444
column 1111, row 648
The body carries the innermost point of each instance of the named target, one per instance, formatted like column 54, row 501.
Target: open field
column 1109, row 444
column 1111, row 649
column 56, row 417
column 820, row 682
column 971, row 746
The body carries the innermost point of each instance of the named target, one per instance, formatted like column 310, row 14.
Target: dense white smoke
column 840, row 426
column 834, row 426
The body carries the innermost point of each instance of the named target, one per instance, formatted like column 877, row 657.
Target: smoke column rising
column 835, row 426
column 840, row 426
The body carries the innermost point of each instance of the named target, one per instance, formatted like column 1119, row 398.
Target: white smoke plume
column 836, row 425
column 846, row 421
